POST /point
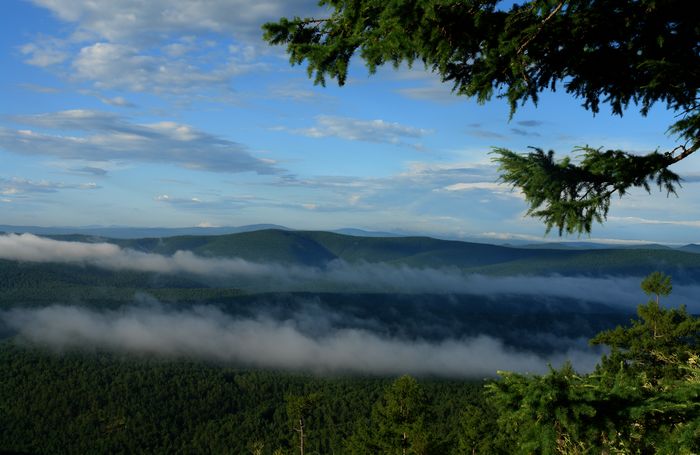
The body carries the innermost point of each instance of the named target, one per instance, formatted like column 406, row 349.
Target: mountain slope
column 318, row 249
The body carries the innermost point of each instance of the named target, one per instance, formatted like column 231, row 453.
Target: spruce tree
column 601, row 52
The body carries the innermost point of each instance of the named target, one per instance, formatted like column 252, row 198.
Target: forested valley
column 106, row 403
column 642, row 397
column 109, row 354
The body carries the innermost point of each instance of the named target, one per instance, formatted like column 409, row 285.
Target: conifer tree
column 657, row 283
column 299, row 407
column 644, row 397
column 615, row 53
column 396, row 426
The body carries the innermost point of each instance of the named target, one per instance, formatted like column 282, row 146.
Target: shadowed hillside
column 318, row 248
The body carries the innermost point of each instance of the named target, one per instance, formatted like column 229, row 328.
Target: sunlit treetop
column 605, row 52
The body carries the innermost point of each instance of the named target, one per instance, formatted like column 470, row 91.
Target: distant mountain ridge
column 125, row 232
column 321, row 248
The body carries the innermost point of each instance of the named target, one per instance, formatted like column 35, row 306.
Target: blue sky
column 175, row 113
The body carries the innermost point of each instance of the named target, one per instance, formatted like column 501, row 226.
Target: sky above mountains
column 176, row 113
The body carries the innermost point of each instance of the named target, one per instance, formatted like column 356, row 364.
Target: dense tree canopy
column 600, row 51
column 643, row 397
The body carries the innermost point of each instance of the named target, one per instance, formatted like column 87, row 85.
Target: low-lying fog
column 367, row 277
column 307, row 340
column 207, row 333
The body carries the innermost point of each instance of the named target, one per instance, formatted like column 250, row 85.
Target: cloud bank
column 166, row 47
column 106, row 137
column 367, row 277
column 207, row 333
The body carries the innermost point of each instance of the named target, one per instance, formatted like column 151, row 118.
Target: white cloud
column 223, row 204
column 118, row 101
column 542, row 238
column 168, row 47
column 489, row 186
column 362, row 130
column 172, row 200
column 44, row 52
column 497, row 188
column 459, row 169
column 119, row 66
column 108, row 137
column 17, row 186
column 436, row 92
column 139, row 21
column 206, row 224
column 395, row 200
column 639, row 220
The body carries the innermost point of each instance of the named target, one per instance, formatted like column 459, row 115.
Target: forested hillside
column 105, row 403
column 318, row 248
column 643, row 397
column 164, row 346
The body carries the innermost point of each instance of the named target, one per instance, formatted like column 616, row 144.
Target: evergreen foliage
column 601, row 52
column 657, row 283
column 299, row 408
column 105, row 403
column 644, row 397
column 397, row 424
column 571, row 196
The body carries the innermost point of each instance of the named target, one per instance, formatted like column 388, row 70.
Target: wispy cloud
column 110, row 137
column 541, row 238
column 118, row 101
column 298, row 91
column 39, row 88
column 488, row 186
column 90, row 170
column 118, row 21
column 45, row 52
column 521, row 132
column 17, row 186
column 361, row 130
column 120, row 66
column 639, row 220
column 478, row 131
column 154, row 47
column 429, row 189
column 530, row 123
column 209, row 204
column 434, row 92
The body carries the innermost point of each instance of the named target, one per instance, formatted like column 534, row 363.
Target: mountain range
column 320, row 248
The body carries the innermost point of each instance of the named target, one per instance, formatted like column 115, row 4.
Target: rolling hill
column 319, row 248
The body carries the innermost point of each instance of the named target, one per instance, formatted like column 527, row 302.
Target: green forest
column 106, row 403
column 643, row 397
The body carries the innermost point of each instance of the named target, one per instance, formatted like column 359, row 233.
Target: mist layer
column 370, row 277
column 206, row 333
